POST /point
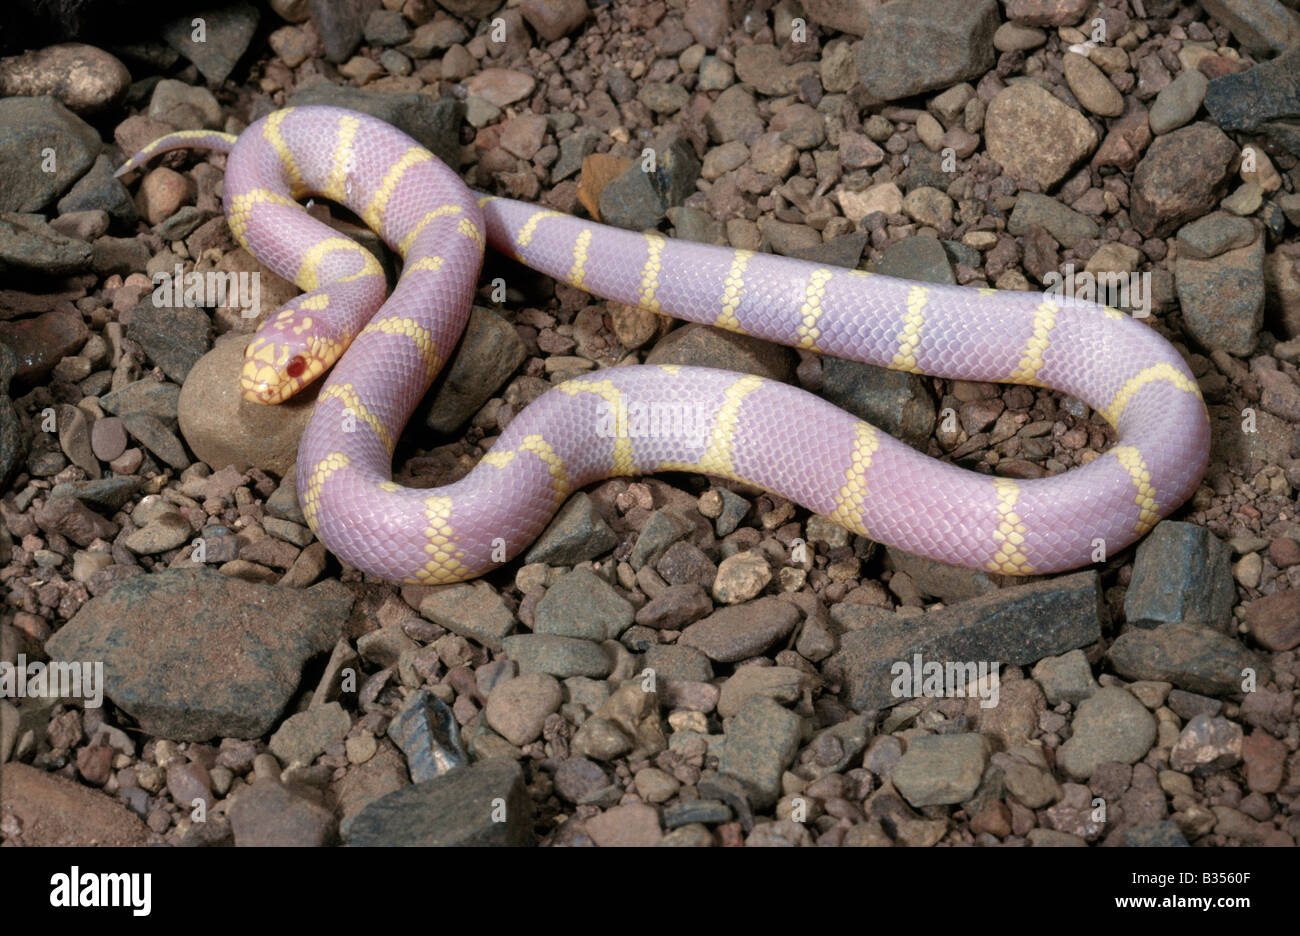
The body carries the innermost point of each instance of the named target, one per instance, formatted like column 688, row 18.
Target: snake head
column 287, row 354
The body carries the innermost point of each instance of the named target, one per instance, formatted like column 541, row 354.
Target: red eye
column 296, row 366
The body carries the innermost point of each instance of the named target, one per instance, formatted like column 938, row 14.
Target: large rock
column 37, row 133
column 1191, row 657
column 39, row 808
column 432, row 122
column 1182, row 574
column 1263, row 99
column 483, row 804
column 1035, row 136
column 1015, row 626
column 911, row 46
column 193, row 655
column 83, row 78
column 1182, row 176
column 222, row 428
column 226, row 32
column 488, row 353
column 1222, row 298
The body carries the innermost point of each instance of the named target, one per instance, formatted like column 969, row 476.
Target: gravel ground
column 678, row 660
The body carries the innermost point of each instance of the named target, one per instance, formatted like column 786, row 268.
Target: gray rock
column 1213, row 235
column 1182, row 176
column 761, row 742
column 911, row 46
column 1111, row 725
column 676, row 663
column 1066, row 678
column 148, row 396
column 1164, row 834
column 560, row 656
column 28, row 243
column 581, row 604
column 473, row 610
column 157, row 438
column 429, row 736
column 1223, row 298
column 895, row 401
column 706, row 346
column 915, row 258
column 1190, row 656
column 1015, row 626
column 488, row 353
column 703, row 811
column 1182, row 574
column 637, row 199
column 577, row 533
column 174, row 338
column 1178, row 103
column 1062, row 222
column 105, row 494
column 244, row 647
column 434, row 123
column 305, row 736
column 742, row 631
column 1262, row 26
column 483, row 804
column 99, row 189
column 29, row 128
column 227, row 32
column 940, row 770
column 1264, row 99
column 268, row 814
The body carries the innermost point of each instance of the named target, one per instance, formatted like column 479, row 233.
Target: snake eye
column 296, row 366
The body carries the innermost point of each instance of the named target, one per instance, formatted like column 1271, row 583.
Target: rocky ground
column 676, row 661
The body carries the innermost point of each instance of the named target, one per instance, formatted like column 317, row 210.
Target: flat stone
column 473, row 610
column 560, row 656
column 305, row 736
column 482, row 804
column 1016, row 626
column 40, row 808
column 1066, row 225
column 227, row 33
column 267, row 814
column 741, row 631
column 577, row 533
column 28, row 126
column 244, row 647
column 581, row 604
column 1223, row 298
column 911, row 46
column 938, row 770
column 487, row 355
column 1190, row 656
column 1263, row 99
column 761, row 743
column 1035, row 136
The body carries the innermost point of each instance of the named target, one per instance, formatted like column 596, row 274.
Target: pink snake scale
column 760, row 431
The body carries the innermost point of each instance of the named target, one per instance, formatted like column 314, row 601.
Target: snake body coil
column 731, row 425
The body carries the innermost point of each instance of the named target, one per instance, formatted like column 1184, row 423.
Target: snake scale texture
column 736, row 426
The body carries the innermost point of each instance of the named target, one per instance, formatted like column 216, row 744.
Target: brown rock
column 1275, row 620
column 1182, row 176
column 49, row 810
column 85, row 79
column 1034, row 136
column 222, row 428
